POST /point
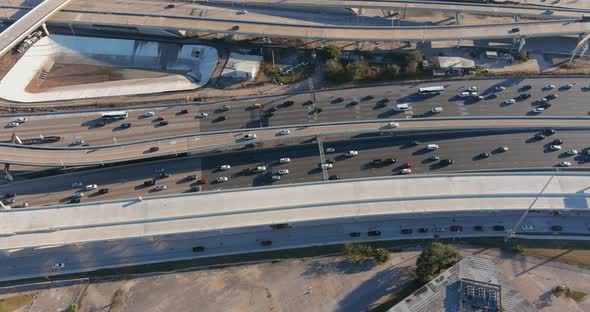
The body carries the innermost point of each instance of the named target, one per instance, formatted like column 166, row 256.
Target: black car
column 355, row 234
column 191, row 177
column 374, row 233
column 551, row 96
column 524, row 96
column 549, row 131
column 182, row 112
column 163, row 123
column 126, row 125
column 539, row 136
column 423, row 230
column 8, row 201
column 389, row 160
column 235, row 28
column 515, row 30
column 154, row 149
column 499, row 228
column 195, row 188
column 414, row 143
column 75, row 200
column 367, row 98
column 406, row 231
column 557, row 142
column 377, row 161
column 335, row 177
column 525, row 88
column 484, row 155
column 10, row 195
column 478, row 228
column 221, row 118
column 149, row 182
column 491, row 96
column 288, row 103
column 198, row 249
column 545, row 105
column 103, row 191
column 353, row 103
column 337, row 100
column 330, row 161
column 556, row 228
column 446, row 162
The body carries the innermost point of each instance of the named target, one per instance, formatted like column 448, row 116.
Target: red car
column 407, row 165
column 202, row 181
column 170, row 6
column 160, row 118
column 266, row 243
column 456, row 228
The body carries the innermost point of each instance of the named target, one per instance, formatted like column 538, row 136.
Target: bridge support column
column 458, row 18
column 44, row 27
column 517, row 18
column 459, row 41
column 522, row 43
column 581, row 47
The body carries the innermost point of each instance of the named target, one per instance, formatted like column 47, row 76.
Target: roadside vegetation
column 359, row 253
column 73, row 308
column 276, row 73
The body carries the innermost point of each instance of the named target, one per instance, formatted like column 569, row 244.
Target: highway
column 73, row 126
column 127, row 181
column 324, row 215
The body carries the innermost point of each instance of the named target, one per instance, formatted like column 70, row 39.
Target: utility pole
column 322, row 158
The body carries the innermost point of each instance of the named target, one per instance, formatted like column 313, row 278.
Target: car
column 500, row 88
column 285, row 160
column 484, row 155
column 423, row 230
column 103, row 191
column 414, row 143
column 160, row 118
column 540, row 136
column 183, row 112
column 565, row 164
column 567, row 86
column 499, row 228
column 542, row 100
column 330, row 150
column 224, row 167
column 355, row 234
column 549, row 131
column 464, row 94
column 439, row 229
column 191, row 177
column 456, row 228
column 389, row 160
column 221, row 179
column 78, row 142
column 275, row 177
column 406, row 171
column 393, row 124
column 8, row 201
column 330, row 161
column 23, row 205
column 163, row 123
column 526, row 227
column 202, row 181
column 326, row 166
column 572, row 152
column 556, row 228
column 374, row 233
column 285, row 132
column 478, row 228
column 554, row 147
column 525, row 88
column 170, row 6
column 538, row 110
column 78, row 194
column 406, row 231
column 402, row 107
column 266, row 243
column 149, row 182
column 437, row 110
column 160, row 187
column 509, row 101
column 235, row 27
column 195, row 188
column 586, row 88
column 250, row 136
column 432, row 147
column 288, row 103
column 407, row 164
column 549, row 87
column 77, row 184
column 354, row 102
column 502, row 149
column 148, row 114
column 551, row 96
column 243, row 11
column 515, row 30
column 58, row 265
column 283, row 171
column 225, row 108
column 334, row 177
column 525, row 96
column 126, row 125
column 164, row 175
column 154, row 149
column 75, row 200
column 260, row 169
column 220, row 118
column 198, row 249
column 557, row 142
column 473, row 89
column 447, row 162
column 377, row 161
column 256, row 106
column 351, row 153
column 90, row 187
column 21, row 120
column 202, row 115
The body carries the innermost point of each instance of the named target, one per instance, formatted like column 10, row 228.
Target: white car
column 538, row 110
column 160, row 187
column 285, row 160
column 78, row 194
column 90, row 187
column 260, row 169
column 22, row 119
column 406, row 171
column 509, row 101
column 432, row 147
column 77, row 184
column 568, row 86
column 351, row 153
column 79, row 142
column 393, row 124
column 58, row 265
column 464, row 94
column 275, row 177
column 472, row 89
column 549, row 87
column 565, row 164
column 330, row 150
column 250, row 136
column 439, row 229
column 572, row 152
column 500, row 88
column 221, row 179
column 148, row 114
column 284, row 132
column 13, row 124
column 283, row 171
column 202, row 115
column 437, row 110
column 555, row 147
column 326, row 166
column 503, row 148
column 242, row 11
column 402, row 107
column 224, row 167
column 527, row 227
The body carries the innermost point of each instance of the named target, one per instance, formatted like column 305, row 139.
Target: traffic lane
column 83, row 126
column 127, row 181
column 124, row 252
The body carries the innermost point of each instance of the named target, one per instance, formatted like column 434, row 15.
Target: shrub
column 355, row 71
column 357, row 253
column 390, row 71
column 381, row 255
column 436, row 258
column 72, row 308
column 334, row 71
column 330, row 53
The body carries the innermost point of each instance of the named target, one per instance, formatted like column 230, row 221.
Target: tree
column 72, row 308
column 381, row 255
column 357, row 253
column 357, row 70
column 436, row 258
column 411, row 67
column 390, row 71
column 522, row 56
column 333, row 70
column 330, row 53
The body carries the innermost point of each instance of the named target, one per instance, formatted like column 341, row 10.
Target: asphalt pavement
column 525, row 152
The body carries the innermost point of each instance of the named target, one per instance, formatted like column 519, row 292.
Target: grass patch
column 15, row 302
column 397, row 297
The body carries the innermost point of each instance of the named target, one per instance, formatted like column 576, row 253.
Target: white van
column 432, row 147
column 402, row 107
column 326, row 166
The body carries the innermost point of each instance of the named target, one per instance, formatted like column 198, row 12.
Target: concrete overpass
column 29, row 22
column 203, row 142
